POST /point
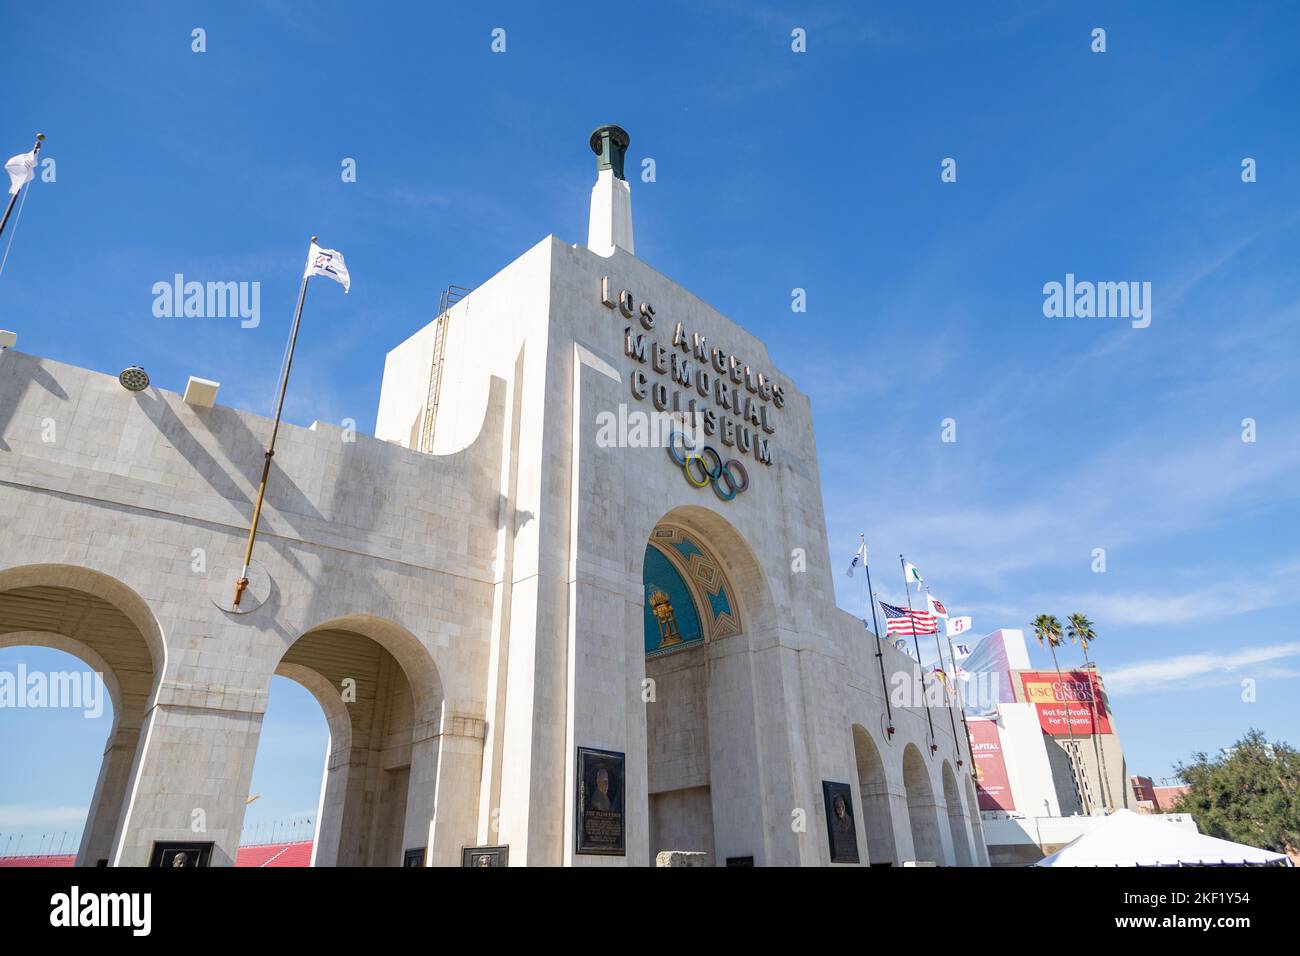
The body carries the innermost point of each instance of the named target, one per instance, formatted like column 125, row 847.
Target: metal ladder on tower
column 450, row 296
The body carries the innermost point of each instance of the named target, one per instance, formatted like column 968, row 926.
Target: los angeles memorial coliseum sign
column 690, row 365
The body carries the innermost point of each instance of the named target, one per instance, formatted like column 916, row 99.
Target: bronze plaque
column 600, row 820
column 179, row 856
column 840, row 828
column 413, row 857
column 485, row 856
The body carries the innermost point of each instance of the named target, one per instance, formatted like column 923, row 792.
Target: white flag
column 328, row 263
column 21, row 170
column 912, row 574
column 958, row 625
column 859, row 559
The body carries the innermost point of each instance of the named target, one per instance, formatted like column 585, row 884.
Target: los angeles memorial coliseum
column 536, row 639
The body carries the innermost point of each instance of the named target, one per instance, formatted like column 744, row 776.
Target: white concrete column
column 901, row 819
column 611, row 215
column 110, row 795
column 329, row 812
column 193, row 777
column 610, row 227
column 457, row 755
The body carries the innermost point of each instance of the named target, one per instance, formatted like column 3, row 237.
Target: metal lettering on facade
column 698, row 379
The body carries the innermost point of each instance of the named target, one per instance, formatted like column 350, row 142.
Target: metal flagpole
column 948, row 683
column 880, row 653
column 13, row 197
column 961, row 705
column 955, row 683
column 915, row 643
column 242, row 584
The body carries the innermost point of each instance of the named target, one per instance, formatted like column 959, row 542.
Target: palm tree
column 1080, row 629
column 1048, row 631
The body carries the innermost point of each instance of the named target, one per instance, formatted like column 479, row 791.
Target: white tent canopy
column 1126, row 838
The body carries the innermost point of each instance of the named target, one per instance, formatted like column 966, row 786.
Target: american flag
column 899, row 620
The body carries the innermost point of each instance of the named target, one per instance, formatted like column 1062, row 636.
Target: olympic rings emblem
column 707, row 467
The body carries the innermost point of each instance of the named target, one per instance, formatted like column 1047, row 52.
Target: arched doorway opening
column 110, row 630
column 922, row 813
column 705, row 604
column 873, row 789
column 379, row 692
column 283, row 805
column 956, row 818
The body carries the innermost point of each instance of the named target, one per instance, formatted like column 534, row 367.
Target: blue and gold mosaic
column 688, row 599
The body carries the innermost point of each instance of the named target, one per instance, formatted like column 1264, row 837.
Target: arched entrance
column 873, row 788
column 705, row 603
column 922, row 813
column 380, row 695
column 109, row 628
column 956, row 818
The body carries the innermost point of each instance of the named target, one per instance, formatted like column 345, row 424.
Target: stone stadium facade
column 532, row 624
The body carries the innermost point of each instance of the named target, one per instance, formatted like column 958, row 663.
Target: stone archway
column 956, row 817
column 383, row 702
column 922, row 811
column 876, row 819
column 707, row 606
column 111, row 629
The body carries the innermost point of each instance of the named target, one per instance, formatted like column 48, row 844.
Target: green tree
column 1079, row 629
column 1048, row 631
column 1248, row 793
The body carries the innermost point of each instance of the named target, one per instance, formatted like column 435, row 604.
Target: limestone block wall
column 148, row 493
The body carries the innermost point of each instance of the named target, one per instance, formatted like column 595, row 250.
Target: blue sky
column 775, row 170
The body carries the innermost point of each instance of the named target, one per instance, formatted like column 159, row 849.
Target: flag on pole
column 958, row 625
column 328, row 263
column 899, row 620
column 859, row 559
column 936, row 606
column 961, row 650
column 910, row 574
column 21, row 170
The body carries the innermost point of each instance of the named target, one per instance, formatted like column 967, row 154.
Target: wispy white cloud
column 1195, row 601
column 1175, row 673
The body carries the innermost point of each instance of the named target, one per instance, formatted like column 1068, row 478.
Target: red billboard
column 992, row 785
column 1066, row 702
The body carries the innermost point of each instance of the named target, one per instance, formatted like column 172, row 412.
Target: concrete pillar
column 193, row 776
column 449, row 820
column 901, row 821
column 329, row 813
column 111, row 791
column 877, row 819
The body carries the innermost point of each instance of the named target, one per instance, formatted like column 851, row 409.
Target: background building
column 1156, row 798
column 1036, row 783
